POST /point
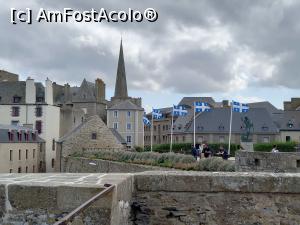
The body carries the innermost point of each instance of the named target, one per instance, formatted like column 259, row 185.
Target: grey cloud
column 266, row 28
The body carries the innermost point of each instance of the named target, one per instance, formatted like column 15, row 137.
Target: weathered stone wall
column 44, row 198
column 267, row 161
column 80, row 165
column 188, row 198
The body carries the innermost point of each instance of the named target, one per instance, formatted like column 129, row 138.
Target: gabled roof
column 126, row 105
column 217, row 121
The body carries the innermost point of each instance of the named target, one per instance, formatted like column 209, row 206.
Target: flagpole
column 194, row 127
column 151, row 140
column 172, row 130
column 230, row 127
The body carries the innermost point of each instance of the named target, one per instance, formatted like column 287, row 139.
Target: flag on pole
column 202, row 107
column 146, row 121
column 156, row 114
column 179, row 110
column 239, row 107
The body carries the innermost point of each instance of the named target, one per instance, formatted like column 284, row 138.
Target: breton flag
column 240, row 107
column 156, row 114
column 179, row 110
column 146, row 121
column 202, row 107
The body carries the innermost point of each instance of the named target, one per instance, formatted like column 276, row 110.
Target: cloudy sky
column 243, row 50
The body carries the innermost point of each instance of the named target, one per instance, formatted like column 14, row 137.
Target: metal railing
column 69, row 218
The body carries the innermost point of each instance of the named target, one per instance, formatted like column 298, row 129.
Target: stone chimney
column 67, row 93
column 225, row 103
column 100, row 90
column 48, row 92
column 30, row 95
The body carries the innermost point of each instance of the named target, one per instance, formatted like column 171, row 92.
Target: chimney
column 67, row 93
column 30, row 95
column 225, row 103
column 100, row 90
column 49, row 92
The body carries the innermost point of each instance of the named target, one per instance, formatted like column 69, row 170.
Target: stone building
column 124, row 113
column 21, row 150
column 288, row 123
column 7, row 76
column 91, row 134
column 294, row 104
column 31, row 104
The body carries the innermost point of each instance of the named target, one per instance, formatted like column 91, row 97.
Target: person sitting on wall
column 206, row 150
column 274, row 149
column 222, row 152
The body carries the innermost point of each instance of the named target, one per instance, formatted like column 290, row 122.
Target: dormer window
column 265, row 127
column 290, row 124
column 10, row 135
column 221, row 127
column 200, row 128
column 16, row 99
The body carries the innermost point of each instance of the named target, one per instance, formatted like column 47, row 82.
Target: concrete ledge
column 217, row 182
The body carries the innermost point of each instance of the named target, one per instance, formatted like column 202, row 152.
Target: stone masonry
column 267, row 161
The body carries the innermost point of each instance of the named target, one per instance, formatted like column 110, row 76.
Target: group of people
column 204, row 149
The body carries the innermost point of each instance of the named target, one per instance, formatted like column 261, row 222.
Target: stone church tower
column 124, row 113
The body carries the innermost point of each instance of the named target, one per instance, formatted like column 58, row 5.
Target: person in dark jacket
column 194, row 152
column 206, row 150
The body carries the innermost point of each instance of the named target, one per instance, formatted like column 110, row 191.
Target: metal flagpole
column 151, row 140
column 230, row 127
column 194, row 126
column 172, row 129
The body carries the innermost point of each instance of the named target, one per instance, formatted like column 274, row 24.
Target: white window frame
column 128, row 114
column 116, row 113
column 130, row 137
column 117, row 125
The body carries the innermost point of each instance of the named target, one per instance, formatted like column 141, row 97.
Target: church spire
column 121, row 84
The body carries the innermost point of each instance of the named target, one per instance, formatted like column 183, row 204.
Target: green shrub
column 170, row 160
column 281, row 146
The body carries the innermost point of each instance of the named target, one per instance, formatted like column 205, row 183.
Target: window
column 38, row 111
column 266, row 139
column 33, row 153
column 116, row 126
column 15, row 111
column 19, row 170
column 26, row 154
column 74, row 120
column 183, row 138
column 94, row 136
column 221, row 139
column 26, row 169
column 33, row 169
column 10, row 155
column 26, row 135
column 221, row 127
column 116, row 114
column 128, row 113
column 288, row 138
column 11, row 170
column 154, row 137
column 128, row 139
column 52, row 163
column 14, row 122
column 290, row 124
column 53, row 144
column 38, row 126
column 16, row 99
column 39, row 99
column 19, row 154
column 128, row 126
column 154, row 128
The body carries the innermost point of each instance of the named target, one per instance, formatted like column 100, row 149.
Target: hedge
column 281, row 146
column 185, row 148
column 170, row 160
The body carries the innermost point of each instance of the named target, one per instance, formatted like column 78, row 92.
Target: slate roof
column 189, row 101
column 9, row 90
column 287, row 120
column 266, row 105
column 217, row 121
column 126, row 105
column 118, row 136
column 4, row 129
column 121, row 84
